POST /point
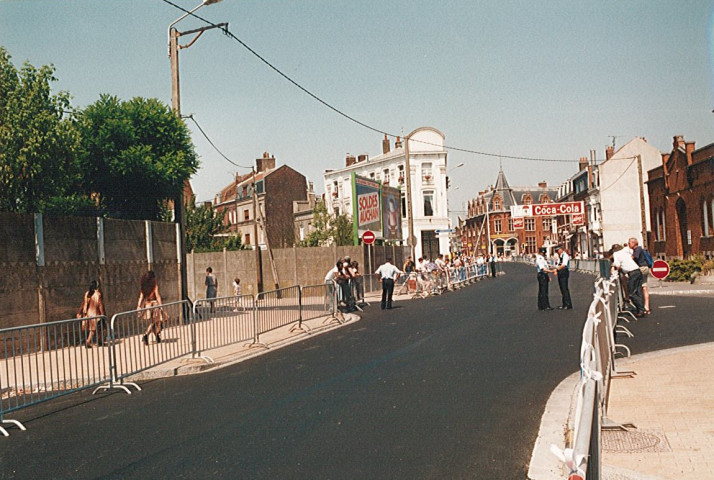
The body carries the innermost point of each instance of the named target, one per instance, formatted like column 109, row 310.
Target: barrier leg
column 13, row 422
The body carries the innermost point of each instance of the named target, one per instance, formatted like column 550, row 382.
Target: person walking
column 211, row 287
column 388, row 273
column 92, row 307
column 563, row 272
column 237, row 295
column 543, row 279
column 149, row 297
column 623, row 261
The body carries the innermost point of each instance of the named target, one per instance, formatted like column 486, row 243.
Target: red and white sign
column 368, row 208
column 550, row 209
column 660, row 269
column 518, row 223
column 578, row 219
column 368, row 237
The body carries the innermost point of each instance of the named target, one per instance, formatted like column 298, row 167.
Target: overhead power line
column 213, row 144
column 352, row 119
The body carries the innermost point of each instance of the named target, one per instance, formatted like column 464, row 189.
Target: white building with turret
column 429, row 200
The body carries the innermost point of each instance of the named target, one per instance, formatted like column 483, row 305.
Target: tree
column 329, row 229
column 135, row 155
column 38, row 142
column 204, row 229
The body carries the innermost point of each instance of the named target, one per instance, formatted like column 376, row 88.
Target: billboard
column 366, row 207
column 391, row 213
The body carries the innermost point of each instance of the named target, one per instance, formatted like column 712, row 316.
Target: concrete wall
column 35, row 292
column 295, row 266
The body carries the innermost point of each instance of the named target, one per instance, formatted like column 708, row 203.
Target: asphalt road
column 448, row 387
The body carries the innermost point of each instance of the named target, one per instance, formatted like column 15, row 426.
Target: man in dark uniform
column 563, row 269
column 543, row 279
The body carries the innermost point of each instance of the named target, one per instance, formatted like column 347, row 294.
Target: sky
column 535, row 79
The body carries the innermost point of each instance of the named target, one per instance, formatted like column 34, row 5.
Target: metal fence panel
column 316, row 301
column 277, row 308
column 137, row 347
column 223, row 321
column 44, row 361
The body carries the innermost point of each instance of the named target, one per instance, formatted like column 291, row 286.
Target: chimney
column 689, row 147
column 385, row 144
column 543, row 184
column 265, row 163
column 398, row 143
column 582, row 164
column 350, row 160
column 609, row 152
column 678, row 142
column 362, row 158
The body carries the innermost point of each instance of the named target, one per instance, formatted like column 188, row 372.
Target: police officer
column 388, row 273
column 563, row 269
column 543, row 279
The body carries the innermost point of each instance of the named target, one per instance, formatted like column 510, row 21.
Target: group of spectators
column 347, row 277
column 633, row 263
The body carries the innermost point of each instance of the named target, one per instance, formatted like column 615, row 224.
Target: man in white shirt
column 388, row 273
column 563, row 270
column 622, row 260
column 543, row 279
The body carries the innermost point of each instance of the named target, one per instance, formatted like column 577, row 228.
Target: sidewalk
column 670, row 401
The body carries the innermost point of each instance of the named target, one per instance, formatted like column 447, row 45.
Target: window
column 385, row 175
column 705, row 220
column 496, row 203
column 530, row 244
column 428, row 204
column 548, row 223
column 498, row 226
column 510, row 224
column 247, row 239
column 527, row 199
column 404, row 205
column 426, row 174
column 246, row 215
column 401, row 175
column 529, row 223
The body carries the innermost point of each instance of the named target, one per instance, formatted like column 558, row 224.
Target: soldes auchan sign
column 548, row 209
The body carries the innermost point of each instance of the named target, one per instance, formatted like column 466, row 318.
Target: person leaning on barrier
column 211, row 287
column 638, row 255
column 149, row 296
column 388, row 273
column 543, row 279
column 92, row 307
column 623, row 261
column 358, row 281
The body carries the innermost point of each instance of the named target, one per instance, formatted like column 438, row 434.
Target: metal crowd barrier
column 222, row 321
column 275, row 309
column 597, row 367
column 45, row 361
column 317, row 301
column 134, row 350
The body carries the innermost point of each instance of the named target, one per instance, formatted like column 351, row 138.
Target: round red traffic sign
column 368, row 237
column 660, row 269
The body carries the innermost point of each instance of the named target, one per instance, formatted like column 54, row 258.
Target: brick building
column 494, row 204
column 277, row 189
column 681, row 196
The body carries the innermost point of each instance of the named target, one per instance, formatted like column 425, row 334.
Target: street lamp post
column 179, row 210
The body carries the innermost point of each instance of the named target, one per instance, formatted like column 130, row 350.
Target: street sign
column 578, row 219
column 518, row 223
column 444, row 230
column 368, row 237
column 660, row 269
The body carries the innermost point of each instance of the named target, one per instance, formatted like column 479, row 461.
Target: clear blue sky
column 546, row 79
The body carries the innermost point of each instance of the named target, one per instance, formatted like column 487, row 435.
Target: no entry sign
column 660, row 269
column 368, row 237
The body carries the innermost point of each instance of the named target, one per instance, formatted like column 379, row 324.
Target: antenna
column 614, row 137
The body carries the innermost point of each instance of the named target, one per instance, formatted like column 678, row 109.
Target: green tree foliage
column 135, row 155
column 204, row 228
column 38, row 142
column 329, row 229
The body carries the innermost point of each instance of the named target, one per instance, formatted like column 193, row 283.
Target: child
column 237, row 293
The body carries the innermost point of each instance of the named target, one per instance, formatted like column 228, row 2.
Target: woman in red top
column 149, row 296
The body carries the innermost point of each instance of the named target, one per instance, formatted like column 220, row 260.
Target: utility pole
column 258, row 261
column 411, row 239
column 179, row 210
column 643, row 213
